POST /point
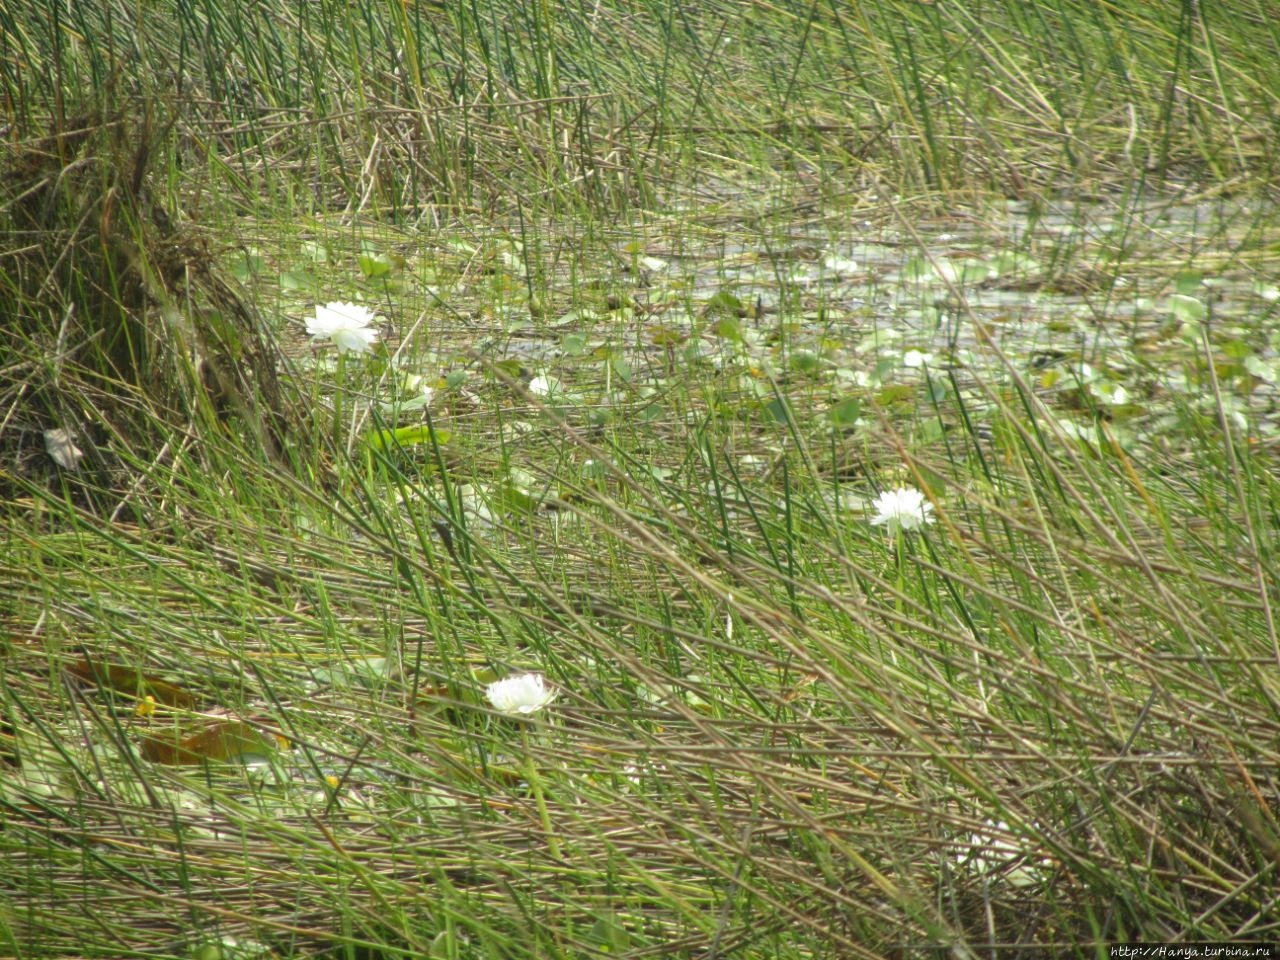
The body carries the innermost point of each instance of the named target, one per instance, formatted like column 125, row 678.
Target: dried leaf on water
column 131, row 682
column 222, row 740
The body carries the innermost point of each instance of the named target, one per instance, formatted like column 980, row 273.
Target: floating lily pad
column 845, row 413
column 407, row 436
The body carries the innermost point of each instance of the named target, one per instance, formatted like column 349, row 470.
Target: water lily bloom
column 904, row 509
column 544, row 386
column 524, row 694
column 997, row 851
column 348, row 325
column 916, row 358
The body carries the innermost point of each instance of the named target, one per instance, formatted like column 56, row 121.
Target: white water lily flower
column 997, row 851
column 916, row 358
column 348, row 325
column 903, row 508
column 521, row 695
column 544, row 386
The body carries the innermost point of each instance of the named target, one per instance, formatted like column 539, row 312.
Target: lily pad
column 407, row 436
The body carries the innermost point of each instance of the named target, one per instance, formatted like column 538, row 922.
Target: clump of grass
column 415, row 115
column 123, row 329
column 778, row 732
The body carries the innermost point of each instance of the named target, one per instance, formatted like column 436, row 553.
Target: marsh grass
column 243, row 707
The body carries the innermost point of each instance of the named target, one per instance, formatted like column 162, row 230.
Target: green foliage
column 648, row 357
column 402, row 107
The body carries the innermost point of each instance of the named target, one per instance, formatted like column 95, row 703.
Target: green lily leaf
column 845, row 413
column 406, row 436
column 1187, row 309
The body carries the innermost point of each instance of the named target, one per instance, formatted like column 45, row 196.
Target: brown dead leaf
column 130, row 682
column 220, row 741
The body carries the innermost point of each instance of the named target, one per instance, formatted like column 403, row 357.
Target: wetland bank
column 731, row 480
